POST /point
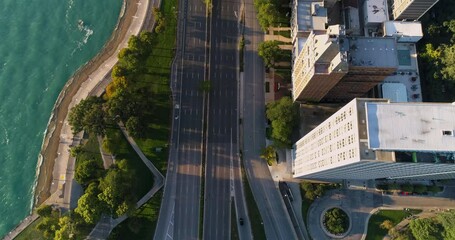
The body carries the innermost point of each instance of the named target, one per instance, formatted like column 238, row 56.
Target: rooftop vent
column 448, row 133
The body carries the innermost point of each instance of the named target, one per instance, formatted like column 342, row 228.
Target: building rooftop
column 375, row 52
column 405, row 31
column 375, row 11
column 411, row 127
column 396, row 92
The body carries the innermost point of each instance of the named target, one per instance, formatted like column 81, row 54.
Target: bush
column 434, row 189
column 419, row 188
column 407, row 187
column 44, row 210
column 336, row 221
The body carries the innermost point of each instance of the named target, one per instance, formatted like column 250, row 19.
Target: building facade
column 411, row 9
column 374, row 139
column 336, row 59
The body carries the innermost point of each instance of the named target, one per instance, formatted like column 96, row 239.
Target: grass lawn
column 396, row 216
column 31, row 232
column 255, row 216
column 286, row 34
column 123, row 150
column 155, row 79
column 142, row 223
column 90, row 151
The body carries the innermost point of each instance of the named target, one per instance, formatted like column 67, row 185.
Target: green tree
column 159, row 19
column 64, row 231
column 78, row 113
column 88, row 115
column 336, row 221
column 125, row 105
column 269, row 154
column 425, row 229
column 434, row 189
column 419, row 188
column 284, row 115
column 89, row 207
column 135, row 127
column 146, row 39
column 447, row 221
column 87, row 171
column 75, row 150
column 269, row 52
column 94, row 120
column 118, row 71
column 48, row 226
column 407, row 187
column 117, row 191
column 448, row 62
column 135, row 45
column 44, row 210
column 394, row 186
column 387, row 224
column 267, row 13
column 309, row 190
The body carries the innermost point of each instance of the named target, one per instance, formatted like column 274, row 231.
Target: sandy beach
column 49, row 151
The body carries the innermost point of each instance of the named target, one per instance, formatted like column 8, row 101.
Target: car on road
column 241, row 221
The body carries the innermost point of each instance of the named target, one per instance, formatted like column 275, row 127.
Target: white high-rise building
column 374, row 138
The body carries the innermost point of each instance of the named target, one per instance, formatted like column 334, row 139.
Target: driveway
column 357, row 203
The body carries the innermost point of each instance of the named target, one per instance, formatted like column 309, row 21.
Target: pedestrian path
column 106, row 224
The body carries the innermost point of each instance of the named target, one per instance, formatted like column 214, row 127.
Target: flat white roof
column 424, row 127
column 396, row 92
column 375, row 11
column 392, row 28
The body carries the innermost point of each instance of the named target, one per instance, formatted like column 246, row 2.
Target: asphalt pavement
column 222, row 179
column 180, row 210
column 277, row 223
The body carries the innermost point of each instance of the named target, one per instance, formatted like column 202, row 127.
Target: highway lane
column 222, row 120
column 179, row 213
column 276, row 220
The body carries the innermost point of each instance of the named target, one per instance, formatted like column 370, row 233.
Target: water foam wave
column 6, row 139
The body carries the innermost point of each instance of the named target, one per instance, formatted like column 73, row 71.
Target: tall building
column 344, row 56
column 411, row 9
column 321, row 63
column 374, row 139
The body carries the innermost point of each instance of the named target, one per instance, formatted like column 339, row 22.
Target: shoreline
column 51, row 140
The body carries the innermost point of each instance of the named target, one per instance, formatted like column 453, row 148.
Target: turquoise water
column 41, row 45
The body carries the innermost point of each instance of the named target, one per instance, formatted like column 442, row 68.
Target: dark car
column 241, row 221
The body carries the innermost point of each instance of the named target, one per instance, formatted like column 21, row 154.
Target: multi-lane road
column 223, row 185
column 206, row 127
column 180, row 210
